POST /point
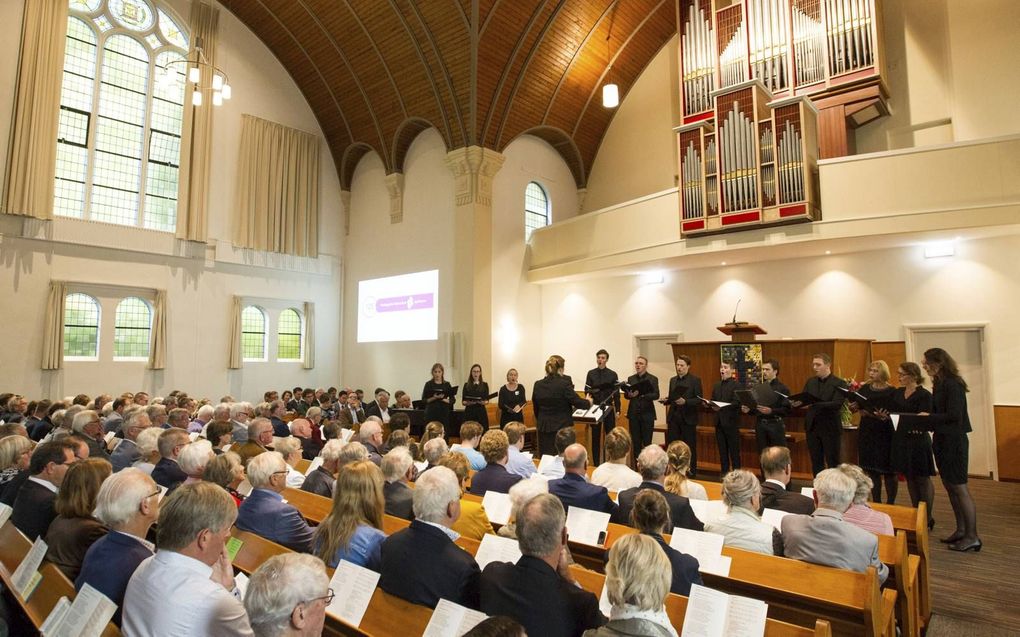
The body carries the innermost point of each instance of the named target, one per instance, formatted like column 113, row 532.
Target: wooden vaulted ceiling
column 481, row 72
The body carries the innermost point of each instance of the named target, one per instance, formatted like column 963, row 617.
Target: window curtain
column 309, row 362
column 235, row 334
column 196, row 131
column 277, row 189
column 53, row 326
column 32, row 156
column 157, row 337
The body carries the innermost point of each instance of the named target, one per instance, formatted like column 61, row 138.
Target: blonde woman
column 876, row 435
column 554, row 401
column 353, row 529
column 15, row 452
column 614, row 474
column 678, row 458
column 637, row 583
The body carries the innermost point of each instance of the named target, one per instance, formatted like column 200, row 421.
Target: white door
column 965, row 345
column 655, row 347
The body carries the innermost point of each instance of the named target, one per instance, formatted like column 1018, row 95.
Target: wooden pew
column 302, row 466
column 914, row 522
column 54, row 584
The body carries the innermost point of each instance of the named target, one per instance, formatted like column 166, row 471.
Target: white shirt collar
column 46, row 483
column 175, row 559
column 777, row 482
column 450, row 533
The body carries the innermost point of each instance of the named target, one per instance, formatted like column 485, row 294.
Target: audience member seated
column 678, row 462
column 615, row 473
column 127, row 503
column 87, row 424
column 260, row 440
column 158, row 416
column 13, row 429
column 421, row 563
column 637, row 583
column 650, row 515
column 777, row 467
column 520, row 494
column 433, row 450
column 352, row 452
column 113, row 421
column 226, row 471
column 470, row 436
column 494, row 476
column 221, row 413
column 398, row 438
column 240, row 414
column 398, row 471
column 740, row 525
column 538, row 591
column 194, row 458
column 824, row 537
column 498, row 626
column 322, row 481
column 33, row 506
column 190, row 571
column 290, row 449
column 433, row 430
column 518, row 463
column 15, row 455
column 573, row 488
column 127, row 453
column 860, row 513
column 167, row 472
column 370, row 434
column 352, row 530
column 178, row 418
column 564, row 438
column 75, row 529
column 651, row 465
column 264, row 512
column 202, row 418
column 277, row 410
column 473, row 522
column 220, row 435
column 148, row 449
column 287, row 596
column 301, row 430
column 80, row 444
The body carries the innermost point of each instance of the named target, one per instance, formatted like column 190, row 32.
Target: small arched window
column 536, row 208
column 288, row 335
column 253, row 334
column 131, row 327
column 81, row 326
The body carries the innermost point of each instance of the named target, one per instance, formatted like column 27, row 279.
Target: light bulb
column 217, row 98
column 196, row 98
column 610, row 96
column 194, row 75
column 217, row 81
column 226, row 91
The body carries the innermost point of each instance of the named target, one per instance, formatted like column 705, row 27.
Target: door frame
column 980, row 328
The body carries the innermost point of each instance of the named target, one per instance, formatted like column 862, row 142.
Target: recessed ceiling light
column 723, row 263
column 828, row 252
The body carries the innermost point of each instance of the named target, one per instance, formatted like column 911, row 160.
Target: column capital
column 345, row 201
column 473, row 168
column 395, row 188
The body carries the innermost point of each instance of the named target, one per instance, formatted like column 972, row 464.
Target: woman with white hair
column 193, row 459
column 637, row 583
column 860, row 513
column 740, row 526
column 288, row 595
column 148, row 449
column 290, row 449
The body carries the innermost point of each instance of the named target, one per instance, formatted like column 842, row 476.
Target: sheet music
column 245, row 488
column 714, row 614
column 703, row 546
column 708, row 510
column 162, row 492
column 452, row 620
column 774, row 518
column 109, row 436
column 808, row 491
column 55, row 617
column 87, row 616
column 5, row 513
column 194, row 435
column 605, row 605
column 895, row 420
column 421, row 466
column 545, row 463
column 25, row 573
column 494, row 548
column 241, row 582
column 353, row 586
column 497, row 506
column 346, row 435
column 313, row 465
column 585, row 526
column 746, row 617
column 716, row 565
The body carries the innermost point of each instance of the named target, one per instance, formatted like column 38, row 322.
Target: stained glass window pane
column 133, row 14
column 171, row 31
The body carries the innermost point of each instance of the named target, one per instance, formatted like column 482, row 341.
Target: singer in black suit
column 822, row 422
column 641, row 410
column 600, row 385
column 554, row 400
column 769, row 428
column 727, row 419
column 682, row 410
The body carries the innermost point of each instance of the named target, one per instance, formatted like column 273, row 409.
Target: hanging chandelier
column 193, row 71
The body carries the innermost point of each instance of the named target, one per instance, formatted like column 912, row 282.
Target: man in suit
column 167, row 473
column 370, row 434
column 539, row 591
column 682, row 415
column 264, row 512
column 777, row 468
column 641, row 410
column 822, row 421
column 727, row 419
column 307, row 401
column 574, row 490
column 494, row 477
column 322, row 481
column 398, row 471
column 381, row 406
column 90, row 427
column 421, row 563
column 352, row 413
column 128, row 504
column 651, row 464
column 277, row 411
column 601, row 386
column 769, row 429
column 127, row 453
column 240, row 415
column 260, row 440
column 824, row 537
column 301, row 429
column 33, row 507
column 116, row 417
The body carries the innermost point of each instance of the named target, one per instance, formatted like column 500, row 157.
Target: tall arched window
column 131, row 327
column 121, row 109
column 81, row 326
column 288, row 336
column 253, row 334
column 536, row 208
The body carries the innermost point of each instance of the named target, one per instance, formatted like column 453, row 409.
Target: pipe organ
column 748, row 143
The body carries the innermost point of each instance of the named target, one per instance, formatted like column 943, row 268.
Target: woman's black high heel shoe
column 952, row 539
column 963, row 548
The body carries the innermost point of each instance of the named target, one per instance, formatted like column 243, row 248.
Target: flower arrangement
column 845, row 415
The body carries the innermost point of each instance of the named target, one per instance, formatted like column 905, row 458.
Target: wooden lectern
column 742, row 332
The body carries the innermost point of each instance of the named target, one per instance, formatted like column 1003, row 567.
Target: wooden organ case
column 753, row 76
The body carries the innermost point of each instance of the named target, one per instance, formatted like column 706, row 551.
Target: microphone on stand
column 734, row 321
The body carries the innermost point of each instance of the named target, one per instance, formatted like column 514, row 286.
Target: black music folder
column 480, row 397
column 452, row 393
column 643, row 387
column 746, row 398
column 804, row 398
column 868, row 404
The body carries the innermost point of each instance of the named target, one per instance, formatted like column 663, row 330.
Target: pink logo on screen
column 405, row 303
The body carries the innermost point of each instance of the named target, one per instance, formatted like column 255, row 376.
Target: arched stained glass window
column 253, row 334
column 536, row 208
column 132, row 325
column 288, row 335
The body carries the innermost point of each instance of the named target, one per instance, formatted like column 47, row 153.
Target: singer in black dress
column 437, row 406
column 911, row 448
column 876, row 434
column 511, row 396
column 475, row 393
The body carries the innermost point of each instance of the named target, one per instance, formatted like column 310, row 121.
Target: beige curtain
column 32, row 156
column 234, row 361
column 53, row 327
column 196, row 132
column 309, row 361
column 157, row 338
column 277, row 189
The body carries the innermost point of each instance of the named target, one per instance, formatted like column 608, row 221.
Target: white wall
column 199, row 286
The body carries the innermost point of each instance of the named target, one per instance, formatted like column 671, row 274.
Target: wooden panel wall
column 1007, row 441
column 892, row 352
